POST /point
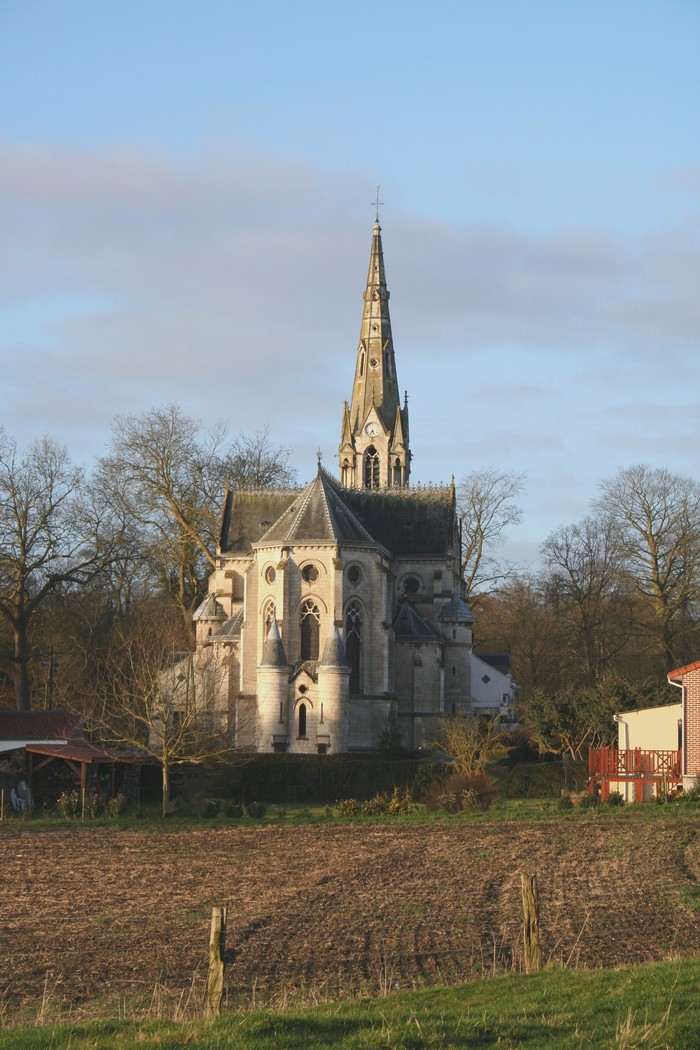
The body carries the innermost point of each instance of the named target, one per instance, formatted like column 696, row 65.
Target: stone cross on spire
column 377, row 204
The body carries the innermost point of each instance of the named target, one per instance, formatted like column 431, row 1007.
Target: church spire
column 371, row 456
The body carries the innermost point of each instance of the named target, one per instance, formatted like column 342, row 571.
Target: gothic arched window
column 371, row 468
column 269, row 612
column 345, row 473
column 353, row 644
column 397, row 473
column 302, row 720
column 310, row 620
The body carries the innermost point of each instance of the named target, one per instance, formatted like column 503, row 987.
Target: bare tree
column 487, row 503
column 169, row 477
column 471, row 743
column 53, row 536
column 162, row 700
column 519, row 619
column 655, row 518
column 586, row 586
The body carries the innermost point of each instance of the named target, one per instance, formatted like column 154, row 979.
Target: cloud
column 232, row 285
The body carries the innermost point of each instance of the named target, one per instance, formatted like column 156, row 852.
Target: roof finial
column 319, row 457
column 377, row 204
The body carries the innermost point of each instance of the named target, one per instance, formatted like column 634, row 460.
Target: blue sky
column 185, row 204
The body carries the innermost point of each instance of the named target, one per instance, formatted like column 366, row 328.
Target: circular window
column 354, row 575
column 411, row 585
column 309, row 574
column 303, row 689
column 270, row 574
column 374, row 363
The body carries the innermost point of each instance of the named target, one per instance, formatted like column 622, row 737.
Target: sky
column 186, row 216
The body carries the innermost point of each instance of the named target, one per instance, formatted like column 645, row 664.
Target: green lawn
column 652, row 1006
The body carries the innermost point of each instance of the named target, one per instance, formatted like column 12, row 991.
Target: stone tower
column 373, row 451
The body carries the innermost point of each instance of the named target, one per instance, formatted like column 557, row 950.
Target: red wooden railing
column 608, row 766
column 611, row 762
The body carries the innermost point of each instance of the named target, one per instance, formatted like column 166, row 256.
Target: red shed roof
column 85, row 753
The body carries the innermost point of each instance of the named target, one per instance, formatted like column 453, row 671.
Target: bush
column 116, row 805
column 565, row 802
column 398, row 802
column 233, row 809
column 459, row 793
column 256, row 810
column 68, row 804
column 348, row 807
column 590, row 802
column 615, row 799
column 209, row 808
column 692, row 795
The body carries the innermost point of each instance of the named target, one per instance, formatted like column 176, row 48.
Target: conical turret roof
column 273, row 654
column 334, row 650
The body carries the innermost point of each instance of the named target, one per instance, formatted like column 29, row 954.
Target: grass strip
column 651, row 1006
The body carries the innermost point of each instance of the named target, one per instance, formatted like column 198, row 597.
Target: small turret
column 333, row 693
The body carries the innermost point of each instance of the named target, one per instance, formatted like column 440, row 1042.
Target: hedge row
column 324, row 779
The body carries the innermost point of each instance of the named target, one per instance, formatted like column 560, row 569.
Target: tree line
column 614, row 605
column 92, row 561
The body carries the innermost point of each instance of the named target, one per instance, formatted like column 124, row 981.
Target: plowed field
column 105, row 915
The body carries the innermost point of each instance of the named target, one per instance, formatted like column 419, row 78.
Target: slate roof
column 319, row 514
column 404, row 521
column 409, row 625
column 456, row 609
column 37, row 725
column 248, row 513
column 210, row 609
column 232, row 627
column 499, row 661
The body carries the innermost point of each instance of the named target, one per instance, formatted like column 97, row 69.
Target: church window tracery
column 371, row 468
column 269, row 613
column 309, row 574
column 310, row 621
column 353, row 644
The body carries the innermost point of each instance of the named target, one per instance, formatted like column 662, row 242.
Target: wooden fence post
column 2, row 804
column 215, row 980
column 531, row 924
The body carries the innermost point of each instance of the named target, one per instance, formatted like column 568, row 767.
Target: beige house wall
column 652, row 729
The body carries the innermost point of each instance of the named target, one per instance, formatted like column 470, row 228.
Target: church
column 335, row 611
